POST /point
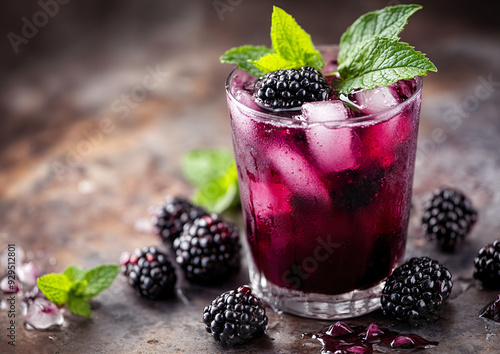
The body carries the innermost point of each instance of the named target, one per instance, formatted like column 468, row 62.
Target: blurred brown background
column 99, row 100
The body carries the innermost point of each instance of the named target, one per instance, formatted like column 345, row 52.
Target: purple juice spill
column 341, row 338
column 492, row 310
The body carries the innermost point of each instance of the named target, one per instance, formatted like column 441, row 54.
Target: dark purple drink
column 326, row 194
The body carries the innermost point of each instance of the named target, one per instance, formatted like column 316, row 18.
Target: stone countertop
column 88, row 145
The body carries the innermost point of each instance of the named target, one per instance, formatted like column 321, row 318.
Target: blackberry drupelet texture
column 416, row 291
column 208, row 250
column 235, row 316
column 149, row 272
column 290, row 88
column 487, row 265
column 448, row 217
column 173, row 214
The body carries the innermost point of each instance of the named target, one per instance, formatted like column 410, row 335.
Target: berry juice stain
column 340, row 338
column 492, row 310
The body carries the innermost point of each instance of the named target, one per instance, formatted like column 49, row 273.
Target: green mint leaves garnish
column 370, row 53
column 388, row 22
column 243, row 57
column 381, row 61
column 75, row 286
column 291, row 48
column 213, row 173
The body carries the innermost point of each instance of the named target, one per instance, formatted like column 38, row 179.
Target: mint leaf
column 381, row 62
column 220, row 193
column 213, row 172
column 55, row 287
column 74, row 273
column 387, row 22
column 273, row 62
column 78, row 305
column 202, row 166
column 242, row 57
column 78, row 287
column 99, row 278
column 293, row 46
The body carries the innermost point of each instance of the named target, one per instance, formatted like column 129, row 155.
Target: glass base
column 312, row 305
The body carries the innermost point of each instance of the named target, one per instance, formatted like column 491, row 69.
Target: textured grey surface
column 88, row 215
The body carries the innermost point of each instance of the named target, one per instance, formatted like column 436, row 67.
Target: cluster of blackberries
column 206, row 248
column 416, row 291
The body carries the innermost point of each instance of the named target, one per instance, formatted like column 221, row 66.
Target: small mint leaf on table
column 243, row 55
column 55, row 287
column 99, row 279
column 78, row 305
column 78, row 287
column 74, row 273
column 387, row 22
column 381, row 62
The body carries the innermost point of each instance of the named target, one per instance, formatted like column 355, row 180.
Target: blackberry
column 448, row 217
column 487, row 265
column 208, row 250
column 235, row 316
column 416, row 291
column 173, row 215
column 290, row 88
column 149, row 272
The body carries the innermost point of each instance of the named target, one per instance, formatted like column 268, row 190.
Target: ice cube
column 384, row 137
column 331, row 148
column 269, row 198
column 299, row 174
column 43, row 314
column 9, row 288
column 28, row 273
column 376, row 100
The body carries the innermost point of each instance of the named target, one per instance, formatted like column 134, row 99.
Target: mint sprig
column 387, row 22
column 370, row 53
column 213, row 173
column 379, row 62
column 292, row 47
column 75, row 286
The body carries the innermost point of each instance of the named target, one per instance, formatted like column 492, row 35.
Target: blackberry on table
column 448, row 217
column 173, row 215
column 208, row 250
column 415, row 292
column 290, row 88
column 235, row 316
column 487, row 265
column 149, row 272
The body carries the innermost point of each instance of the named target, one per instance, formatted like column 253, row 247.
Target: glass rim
column 368, row 119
